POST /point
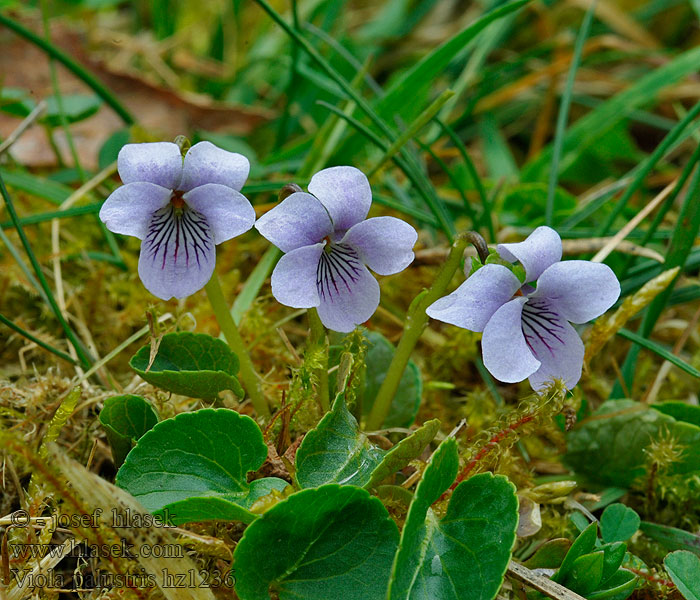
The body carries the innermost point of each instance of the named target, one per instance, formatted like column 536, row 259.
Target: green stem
column 247, row 373
column 416, row 321
column 318, row 340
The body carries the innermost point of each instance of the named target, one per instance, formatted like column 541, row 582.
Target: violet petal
column 154, row 162
column 507, row 355
column 541, row 249
column 474, row 302
column 178, row 254
column 580, row 290
column 294, row 278
column 205, row 163
column 348, row 292
column 385, row 244
column 299, row 220
column 227, row 211
column 129, row 208
column 346, row 194
column 554, row 342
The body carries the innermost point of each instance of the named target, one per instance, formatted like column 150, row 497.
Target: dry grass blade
column 603, row 253
column 88, row 494
column 540, row 583
column 605, row 328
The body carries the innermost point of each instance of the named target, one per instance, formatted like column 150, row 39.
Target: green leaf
column 16, row 101
column 586, row 573
column 684, row 570
column 614, row 554
column 214, row 508
column 672, row 538
column 406, row 402
column 618, row 523
column 195, row 466
column 110, row 149
column 400, row 98
column 336, row 451
column 125, row 419
column 329, row 542
column 610, row 448
column 549, row 555
column 470, row 545
column 76, row 107
column 680, row 411
column 620, row 586
column 404, row 452
column 191, row 364
column 583, row 544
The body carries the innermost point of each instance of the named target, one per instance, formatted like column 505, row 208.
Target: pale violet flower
column 527, row 330
column 180, row 208
column 327, row 243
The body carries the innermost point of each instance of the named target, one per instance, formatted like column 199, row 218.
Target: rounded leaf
column 203, row 454
column 191, row 364
column 125, row 419
column 329, row 542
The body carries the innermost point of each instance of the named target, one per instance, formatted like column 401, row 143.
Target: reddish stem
column 485, row 449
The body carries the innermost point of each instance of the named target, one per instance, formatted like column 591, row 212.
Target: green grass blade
column 465, row 201
column 255, row 281
column 400, row 97
column 36, row 340
column 563, row 115
column 412, row 131
column 486, row 217
column 679, row 250
column 408, row 164
column 586, row 131
column 75, row 211
column 412, row 171
column 40, row 187
column 660, row 350
column 83, row 355
column 648, row 166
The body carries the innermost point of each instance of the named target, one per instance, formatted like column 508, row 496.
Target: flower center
column 177, row 199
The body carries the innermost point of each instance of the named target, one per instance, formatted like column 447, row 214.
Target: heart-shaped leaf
column 470, row 545
column 329, row 542
column 191, row 364
column 125, row 419
column 618, row 523
column 684, row 569
column 193, row 467
column 611, row 448
column 336, row 451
